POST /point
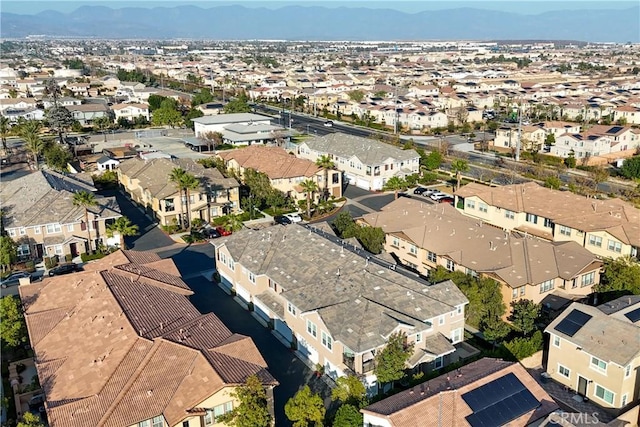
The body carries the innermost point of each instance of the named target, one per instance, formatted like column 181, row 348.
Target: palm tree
column 85, row 200
column 325, row 163
column 184, row 182
column 395, row 184
column 233, row 223
column 458, row 166
column 123, row 227
column 5, row 130
column 309, row 186
column 101, row 124
column 30, row 133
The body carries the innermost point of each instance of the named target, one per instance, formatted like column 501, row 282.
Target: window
column 614, row 246
column 23, row 231
column 598, row 365
column 396, row 242
column 514, row 293
column 336, row 177
column 509, row 214
column 419, row 337
column 459, row 309
column 12, row 232
column 471, row 204
column 54, row 228
column 291, row 309
column 169, row 206
column 623, row 401
column 70, row 227
column 312, row 329
column 546, row 286
column 451, row 265
column 441, row 320
column 564, row 230
column 438, row 363
column 37, row 229
column 456, row 335
column 157, row 421
column 431, row 256
column 145, row 423
column 23, row 250
column 627, row 371
column 532, row 218
column 58, row 250
column 482, row 207
column 548, row 223
column 218, row 411
column 595, row 240
column 604, row 394
column 327, row 341
column 252, row 278
column 556, row 341
column 588, row 279
column 523, row 290
column 564, row 371
column 413, row 250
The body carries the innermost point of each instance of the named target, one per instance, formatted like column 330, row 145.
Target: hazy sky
column 526, row 7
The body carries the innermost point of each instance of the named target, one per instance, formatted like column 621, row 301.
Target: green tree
column 348, row 416
column 395, row 184
column 570, row 161
column 202, row 97
column 620, row 275
column 155, row 102
column 391, row 360
column 57, row 157
column 305, row 408
column 326, row 164
column 212, row 139
column 553, row 181
column 5, row 131
column 252, row 409
column 30, row 420
column 495, row 330
column 524, row 315
column 344, row 225
column 372, row 238
column 237, row 106
column 350, row 390
column 598, row 175
column 631, row 168
column 233, row 223
column 85, row 200
column 380, row 94
column 192, row 114
column 166, row 116
column 184, row 182
column 458, row 166
column 13, row 330
column 59, row 119
column 8, row 252
column 122, row 227
column 33, row 143
column 101, row 124
column 549, row 140
column 356, row 95
column 432, row 161
column 309, row 186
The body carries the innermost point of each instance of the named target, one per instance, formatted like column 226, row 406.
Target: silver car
column 13, row 279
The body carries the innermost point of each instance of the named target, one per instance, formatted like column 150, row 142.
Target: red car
column 223, row 231
column 446, row 200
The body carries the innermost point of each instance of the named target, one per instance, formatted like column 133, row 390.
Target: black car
column 281, row 219
column 419, row 190
column 64, row 269
column 13, row 278
column 211, row 233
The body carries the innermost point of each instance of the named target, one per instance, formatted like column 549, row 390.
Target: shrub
column 90, row 257
column 68, row 258
column 522, row 348
column 30, row 266
column 50, row 262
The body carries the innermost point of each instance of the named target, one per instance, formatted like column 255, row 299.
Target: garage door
column 350, row 179
column 332, row 370
column 243, row 293
column 307, row 350
column 363, row 183
column 283, row 329
column 261, row 310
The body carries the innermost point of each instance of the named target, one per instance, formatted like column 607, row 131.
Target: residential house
column 131, row 111
column 147, row 182
column 285, row 171
column 218, row 123
column 607, row 228
column 120, row 344
column 424, row 236
column 531, row 137
column 17, row 104
column 582, row 146
column 211, row 108
column 15, row 114
column 334, row 305
column 41, row 218
column 487, row 392
column 106, row 163
column 628, row 113
column 596, row 352
column 365, row 163
column 86, row 114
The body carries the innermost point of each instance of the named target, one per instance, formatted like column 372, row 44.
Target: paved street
column 283, row 364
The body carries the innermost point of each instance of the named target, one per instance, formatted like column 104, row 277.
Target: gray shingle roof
column 230, row 118
column 369, row 152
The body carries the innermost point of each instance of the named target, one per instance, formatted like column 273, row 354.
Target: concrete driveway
column 290, row 372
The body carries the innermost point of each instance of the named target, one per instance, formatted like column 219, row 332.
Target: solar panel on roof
column 499, row 402
column 573, row 322
column 633, row 315
column 615, row 129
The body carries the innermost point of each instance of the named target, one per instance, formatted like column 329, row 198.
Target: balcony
column 349, row 362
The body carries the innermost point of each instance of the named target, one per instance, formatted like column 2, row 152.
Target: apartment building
column 39, row 215
column 487, row 392
column 119, row 344
column 147, row 183
column 365, row 163
column 607, row 228
column 424, row 237
column 596, row 352
column 285, row 171
column 335, row 306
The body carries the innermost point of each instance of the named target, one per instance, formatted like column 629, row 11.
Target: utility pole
column 519, row 140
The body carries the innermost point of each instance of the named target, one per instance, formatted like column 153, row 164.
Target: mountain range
column 325, row 23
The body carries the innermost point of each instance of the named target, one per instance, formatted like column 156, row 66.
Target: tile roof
column 145, row 350
column 272, row 161
column 368, row 151
column 441, row 398
column 616, row 216
column 612, row 338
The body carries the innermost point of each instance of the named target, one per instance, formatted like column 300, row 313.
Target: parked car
column 36, row 401
column 328, row 124
column 64, row 269
column 439, row 196
column 281, row 219
column 13, row 279
column 419, row 190
column 294, row 217
column 210, row 233
column 447, row 199
column 222, row 231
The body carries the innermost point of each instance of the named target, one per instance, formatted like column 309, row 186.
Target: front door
column 39, row 251
column 73, row 248
column 582, row 386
